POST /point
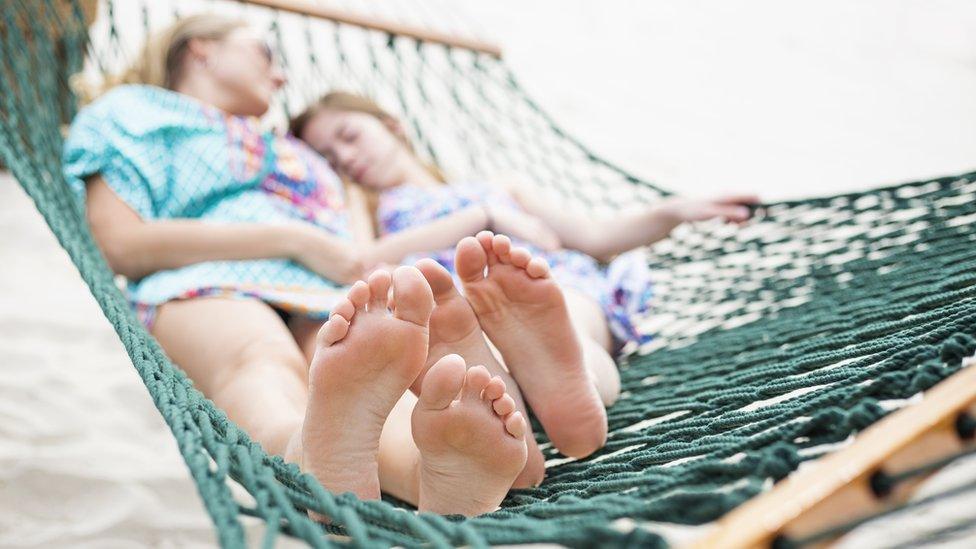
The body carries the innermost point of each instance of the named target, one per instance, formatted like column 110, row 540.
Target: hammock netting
column 773, row 342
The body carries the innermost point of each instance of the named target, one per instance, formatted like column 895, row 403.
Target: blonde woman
column 235, row 242
column 553, row 312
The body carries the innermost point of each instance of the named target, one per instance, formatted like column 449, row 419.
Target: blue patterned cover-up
column 169, row 156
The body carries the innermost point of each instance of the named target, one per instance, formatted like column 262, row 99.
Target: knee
column 603, row 371
column 278, row 354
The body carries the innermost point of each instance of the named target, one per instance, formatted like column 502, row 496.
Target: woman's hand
column 732, row 208
column 522, row 226
column 334, row 258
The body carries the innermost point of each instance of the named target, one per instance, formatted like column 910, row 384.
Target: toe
column 359, row 295
column 515, row 425
column 438, row 277
column 520, row 257
column 470, row 260
column 486, row 238
column 537, row 268
column 442, row 383
column 502, row 246
column 379, row 289
column 412, row 298
column 475, row 382
column 495, row 388
column 504, row 405
column 345, row 309
column 332, row 331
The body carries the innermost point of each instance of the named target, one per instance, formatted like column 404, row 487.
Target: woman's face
column 359, row 146
column 243, row 65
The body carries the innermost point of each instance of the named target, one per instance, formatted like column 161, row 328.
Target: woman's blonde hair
column 163, row 56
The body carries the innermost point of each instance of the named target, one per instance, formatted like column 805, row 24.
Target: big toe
column 412, row 297
column 470, row 259
column 442, row 383
column 441, row 283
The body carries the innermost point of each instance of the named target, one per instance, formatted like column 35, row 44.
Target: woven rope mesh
column 773, row 343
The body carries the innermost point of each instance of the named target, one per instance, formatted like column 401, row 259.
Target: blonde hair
column 343, row 101
column 163, row 56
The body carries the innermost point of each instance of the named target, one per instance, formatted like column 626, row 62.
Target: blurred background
column 786, row 98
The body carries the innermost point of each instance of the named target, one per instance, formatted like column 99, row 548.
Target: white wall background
column 792, row 98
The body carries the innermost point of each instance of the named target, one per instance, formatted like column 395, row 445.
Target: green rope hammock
column 771, row 341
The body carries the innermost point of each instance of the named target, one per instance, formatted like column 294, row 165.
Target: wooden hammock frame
column 838, row 488
column 304, row 7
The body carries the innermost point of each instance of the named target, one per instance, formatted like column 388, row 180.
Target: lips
column 357, row 171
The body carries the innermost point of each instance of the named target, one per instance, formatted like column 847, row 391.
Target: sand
column 786, row 98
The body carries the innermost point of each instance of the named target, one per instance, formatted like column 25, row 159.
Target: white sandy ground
column 785, row 97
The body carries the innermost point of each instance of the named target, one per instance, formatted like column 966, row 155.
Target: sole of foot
column 522, row 310
column 368, row 353
column 454, row 329
column 471, row 439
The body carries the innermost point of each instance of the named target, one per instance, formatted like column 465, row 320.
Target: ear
column 199, row 50
column 395, row 128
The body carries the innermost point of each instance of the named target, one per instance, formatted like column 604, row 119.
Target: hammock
column 771, row 341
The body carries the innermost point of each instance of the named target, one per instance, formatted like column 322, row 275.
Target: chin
column 256, row 109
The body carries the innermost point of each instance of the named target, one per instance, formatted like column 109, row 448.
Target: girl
column 596, row 304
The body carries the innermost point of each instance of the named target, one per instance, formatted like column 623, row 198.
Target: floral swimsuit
column 622, row 288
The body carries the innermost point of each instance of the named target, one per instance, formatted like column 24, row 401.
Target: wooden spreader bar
column 837, row 488
column 305, row 7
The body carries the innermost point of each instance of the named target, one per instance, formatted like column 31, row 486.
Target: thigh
column 588, row 317
column 304, row 330
column 209, row 338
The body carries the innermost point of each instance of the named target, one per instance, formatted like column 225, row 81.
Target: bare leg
column 453, row 451
column 250, row 367
column 368, row 353
column 399, row 458
column 454, row 329
column 594, row 335
column 471, row 439
column 524, row 313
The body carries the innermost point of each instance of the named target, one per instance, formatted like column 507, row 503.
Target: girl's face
column 359, row 146
column 243, row 66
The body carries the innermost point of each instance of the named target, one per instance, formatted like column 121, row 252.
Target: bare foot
column 471, row 439
column 367, row 357
column 524, row 313
column 454, row 329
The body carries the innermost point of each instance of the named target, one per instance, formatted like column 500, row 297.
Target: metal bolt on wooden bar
column 837, row 488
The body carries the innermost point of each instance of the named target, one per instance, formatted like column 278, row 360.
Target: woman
column 235, row 241
column 567, row 375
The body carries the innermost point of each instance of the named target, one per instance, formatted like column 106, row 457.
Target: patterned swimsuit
column 622, row 288
column 169, row 156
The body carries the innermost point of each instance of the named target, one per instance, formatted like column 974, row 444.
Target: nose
column 278, row 78
column 344, row 155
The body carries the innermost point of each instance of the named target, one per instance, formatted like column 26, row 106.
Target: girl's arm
column 604, row 238
column 136, row 248
column 444, row 232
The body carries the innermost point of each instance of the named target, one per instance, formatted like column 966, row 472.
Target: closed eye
column 348, row 134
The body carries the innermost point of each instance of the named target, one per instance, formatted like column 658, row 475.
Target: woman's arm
column 604, row 238
column 136, row 248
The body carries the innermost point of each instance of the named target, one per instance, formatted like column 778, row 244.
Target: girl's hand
column 331, row 257
column 522, row 226
column 732, row 208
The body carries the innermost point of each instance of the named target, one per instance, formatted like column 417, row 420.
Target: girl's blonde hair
column 343, row 101
column 163, row 56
